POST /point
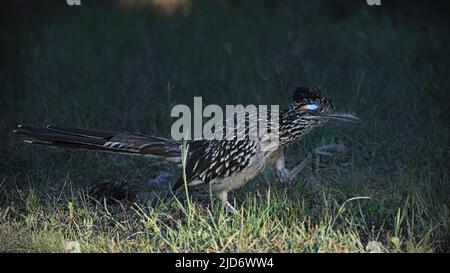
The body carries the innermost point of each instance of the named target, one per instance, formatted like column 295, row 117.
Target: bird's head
column 314, row 109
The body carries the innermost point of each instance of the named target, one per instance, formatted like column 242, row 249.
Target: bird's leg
column 286, row 175
column 313, row 158
column 223, row 196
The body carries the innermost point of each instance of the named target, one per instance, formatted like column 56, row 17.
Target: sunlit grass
column 272, row 222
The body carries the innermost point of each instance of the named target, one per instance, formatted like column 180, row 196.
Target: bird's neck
column 292, row 126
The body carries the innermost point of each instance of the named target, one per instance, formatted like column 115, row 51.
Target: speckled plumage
column 227, row 164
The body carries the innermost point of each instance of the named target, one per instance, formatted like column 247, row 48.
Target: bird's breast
column 237, row 179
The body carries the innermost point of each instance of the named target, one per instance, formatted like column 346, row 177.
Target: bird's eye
column 311, row 106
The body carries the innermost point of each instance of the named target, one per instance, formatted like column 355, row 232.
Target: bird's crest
column 310, row 98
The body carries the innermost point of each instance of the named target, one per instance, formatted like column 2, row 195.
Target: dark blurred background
column 142, row 56
column 123, row 64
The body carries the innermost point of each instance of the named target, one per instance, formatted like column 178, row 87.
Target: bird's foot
column 327, row 150
column 230, row 208
column 223, row 196
column 313, row 159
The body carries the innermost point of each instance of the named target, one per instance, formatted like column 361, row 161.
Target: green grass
column 110, row 68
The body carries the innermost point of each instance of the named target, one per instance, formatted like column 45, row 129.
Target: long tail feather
column 107, row 141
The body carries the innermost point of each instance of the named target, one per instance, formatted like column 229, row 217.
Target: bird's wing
column 216, row 159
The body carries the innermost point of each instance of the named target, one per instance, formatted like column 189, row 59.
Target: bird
column 222, row 165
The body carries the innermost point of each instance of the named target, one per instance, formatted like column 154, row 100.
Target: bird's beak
column 343, row 117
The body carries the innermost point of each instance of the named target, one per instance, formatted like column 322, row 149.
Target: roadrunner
column 223, row 165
